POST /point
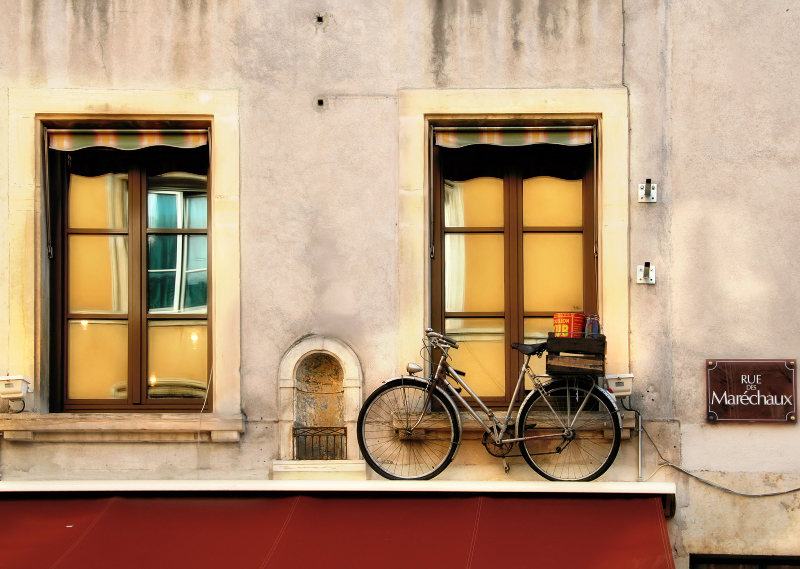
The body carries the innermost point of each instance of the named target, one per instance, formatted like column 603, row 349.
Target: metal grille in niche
column 320, row 443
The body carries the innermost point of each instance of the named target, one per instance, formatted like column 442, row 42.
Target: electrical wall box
column 646, row 274
column 648, row 193
column 14, row 387
column 619, row 385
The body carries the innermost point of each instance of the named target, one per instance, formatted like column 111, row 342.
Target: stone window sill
column 121, row 427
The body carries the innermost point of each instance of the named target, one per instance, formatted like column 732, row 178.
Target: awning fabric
column 497, row 137
column 331, row 530
column 125, row 140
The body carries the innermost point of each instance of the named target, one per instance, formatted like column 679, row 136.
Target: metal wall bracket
column 648, row 192
column 646, row 274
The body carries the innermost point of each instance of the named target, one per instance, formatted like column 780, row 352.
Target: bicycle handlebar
column 447, row 339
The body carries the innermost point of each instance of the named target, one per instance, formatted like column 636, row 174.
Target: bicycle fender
column 443, row 394
column 610, row 398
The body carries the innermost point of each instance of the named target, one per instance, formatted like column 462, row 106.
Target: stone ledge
column 468, row 422
column 319, row 470
column 121, row 427
column 666, row 490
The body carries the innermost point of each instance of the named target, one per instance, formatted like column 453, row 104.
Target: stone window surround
column 26, row 109
column 609, row 107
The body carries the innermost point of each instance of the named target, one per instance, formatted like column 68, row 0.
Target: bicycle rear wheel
column 576, row 429
column 389, row 440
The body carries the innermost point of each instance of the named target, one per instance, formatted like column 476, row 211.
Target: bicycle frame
column 498, row 428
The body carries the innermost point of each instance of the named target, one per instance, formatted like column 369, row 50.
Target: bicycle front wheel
column 395, row 442
column 572, row 431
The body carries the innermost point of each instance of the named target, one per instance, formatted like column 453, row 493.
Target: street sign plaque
column 751, row 390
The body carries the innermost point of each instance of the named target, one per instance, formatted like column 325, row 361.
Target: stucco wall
column 712, row 95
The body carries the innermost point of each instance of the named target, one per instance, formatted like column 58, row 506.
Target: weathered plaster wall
column 319, row 187
column 713, row 92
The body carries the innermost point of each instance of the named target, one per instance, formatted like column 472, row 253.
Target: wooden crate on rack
column 586, row 356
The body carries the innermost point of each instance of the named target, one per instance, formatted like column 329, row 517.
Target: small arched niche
column 320, row 382
column 319, row 401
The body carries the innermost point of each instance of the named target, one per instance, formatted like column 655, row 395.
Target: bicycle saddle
column 530, row 349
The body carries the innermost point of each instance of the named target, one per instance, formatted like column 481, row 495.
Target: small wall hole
column 320, row 102
column 321, row 19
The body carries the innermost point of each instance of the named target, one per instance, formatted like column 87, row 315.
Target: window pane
column 161, row 287
column 474, row 278
column 177, row 362
column 535, row 330
column 162, row 271
column 162, row 211
column 177, row 200
column 177, row 276
column 97, row 359
column 480, row 353
column 197, row 252
column 553, row 272
column 196, row 290
column 196, row 211
column 162, row 252
column 474, row 203
column 552, row 202
column 100, row 202
column 98, row 273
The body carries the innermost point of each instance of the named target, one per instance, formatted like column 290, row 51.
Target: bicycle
column 567, row 428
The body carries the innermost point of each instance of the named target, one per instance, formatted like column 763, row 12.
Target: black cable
column 665, row 462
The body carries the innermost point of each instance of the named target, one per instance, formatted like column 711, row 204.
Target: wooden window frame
column 137, row 315
column 513, row 231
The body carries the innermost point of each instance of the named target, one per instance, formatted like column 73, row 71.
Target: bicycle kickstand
column 506, row 466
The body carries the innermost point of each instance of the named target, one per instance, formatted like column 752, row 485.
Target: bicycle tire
column 398, row 454
column 579, row 454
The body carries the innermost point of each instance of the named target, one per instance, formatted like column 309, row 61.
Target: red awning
column 333, row 530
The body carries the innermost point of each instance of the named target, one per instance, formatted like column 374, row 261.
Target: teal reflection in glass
column 196, row 211
column 177, row 200
column 196, row 290
column 197, row 253
column 177, row 273
column 161, row 291
column 196, row 281
column 162, row 252
column 162, row 210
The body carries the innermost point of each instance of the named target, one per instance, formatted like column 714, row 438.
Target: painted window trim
column 608, row 106
column 27, row 290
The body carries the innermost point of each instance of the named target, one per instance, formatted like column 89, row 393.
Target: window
column 513, row 242
column 743, row 562
column 422, row 109
column 130, row 268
